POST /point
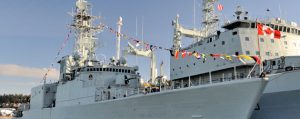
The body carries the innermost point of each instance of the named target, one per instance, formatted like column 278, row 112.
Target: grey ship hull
column 227, row 100
column 281, row 99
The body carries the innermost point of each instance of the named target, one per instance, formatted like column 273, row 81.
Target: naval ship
column 91, row 89
column 274, row 40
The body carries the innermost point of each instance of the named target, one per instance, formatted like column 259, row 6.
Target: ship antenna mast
column 210, row 19
column 85, row 43
column 119, row 23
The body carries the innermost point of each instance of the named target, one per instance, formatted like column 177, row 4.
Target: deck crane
column 144, row 53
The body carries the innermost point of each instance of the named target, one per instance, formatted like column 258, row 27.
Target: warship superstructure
column 90, row 89
column 280, row 57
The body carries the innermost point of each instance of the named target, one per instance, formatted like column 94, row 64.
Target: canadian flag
column 268, row 31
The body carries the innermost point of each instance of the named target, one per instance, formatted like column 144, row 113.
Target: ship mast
column 119, row 23
column 209, row 25
column 209, row 19
column 85, row 42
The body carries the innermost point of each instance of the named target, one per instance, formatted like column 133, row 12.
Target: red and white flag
column 183, row 54
column 220, row 7
column 268, row 31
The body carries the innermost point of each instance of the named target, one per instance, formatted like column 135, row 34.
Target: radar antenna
column 85, row 43
column 210, row 22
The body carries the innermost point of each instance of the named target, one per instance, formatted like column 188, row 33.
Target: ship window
column 292, row 30
column 247, row 52
column 262, row 40
column 273, row 63
column 223, row 42
column 114, row 70
column 247, row 39
column 285, row 43
column 236, row 53
column 276, row 27
column 187, row 65
column 210, row 39
column 288, row 29
column 268, row 53
column 272, row 26
column 298, row 32
column 129, row 71
column 179, row 67
column 267, row 24
column 252, row 25
column 194, row 64
column 110, row 69
column 276, row 54
column 280, row 28
column 257, row 53
column 237, row 24
column 100, row 69
column 122, row 70
column 97, row 69
column 234, row 33
column 284, row 29
column 272, row 41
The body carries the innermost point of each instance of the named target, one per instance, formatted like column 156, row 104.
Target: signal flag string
column 57, row 55
column 175, row 53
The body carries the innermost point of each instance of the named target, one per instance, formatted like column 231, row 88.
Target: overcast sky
column 32, row 31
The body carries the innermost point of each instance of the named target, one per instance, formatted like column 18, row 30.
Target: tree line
column 11, row 100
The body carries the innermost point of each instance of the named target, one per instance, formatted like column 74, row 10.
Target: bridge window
column 288, row 29
column 272, row 26
column 280, row 28
column 252, row 25
column 276, row 27
column 292, row 30
column 284, row 29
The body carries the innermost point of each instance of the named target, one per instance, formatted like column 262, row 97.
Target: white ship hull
column 281, row 98
column 226, row 100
